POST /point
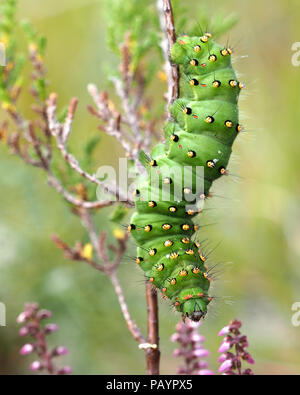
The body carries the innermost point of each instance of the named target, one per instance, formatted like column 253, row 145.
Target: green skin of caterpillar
column 164, row 229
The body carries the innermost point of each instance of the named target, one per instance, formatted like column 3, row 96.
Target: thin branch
column 133, row 328
column 110, row 270
column 75, row 254
column 88, row 223
column 111, row 118
column 166, row 18
column 61, row 134
column 113, row 121
column 56, row 184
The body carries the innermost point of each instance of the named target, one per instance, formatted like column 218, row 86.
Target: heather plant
column 31, row 319
column 191, row 349
column 233, row 350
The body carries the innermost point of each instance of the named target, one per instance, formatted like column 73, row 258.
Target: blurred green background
column 258, row 215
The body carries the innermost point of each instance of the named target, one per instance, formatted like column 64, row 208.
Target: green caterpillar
column 204, row 125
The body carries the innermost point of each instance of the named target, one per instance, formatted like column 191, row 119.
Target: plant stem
column 43, row 349
column 153, row 353
column 168, row 28
column 133, row 328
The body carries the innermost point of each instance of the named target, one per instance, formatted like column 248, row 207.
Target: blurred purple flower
column 191, row 349
column 31, row 319
column 231, row 362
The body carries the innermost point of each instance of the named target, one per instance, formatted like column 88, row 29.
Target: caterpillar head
column 195, row 309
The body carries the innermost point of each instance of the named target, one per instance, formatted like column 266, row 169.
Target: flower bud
column 24, row 331
column 200, row 352
column 175, row 337
column 23, row 317
column 247, row 357
column 27, row 349
column 179, row 327
column 36, row 365
column 195, row 337
column 50, row 328
column 248, row 372
column 244, row 342
column 58, row 351
column 222, row 358
column 65, row 370
column 226, row 365
column 224, row 331
column 32, row 306
column 225, row 346
column 200, row 365
column 235, row 324
column 177, row 352
column 194, row 324
column 43, row 314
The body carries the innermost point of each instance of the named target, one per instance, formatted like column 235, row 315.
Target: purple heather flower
column 191, row 349
column 31, row 317
column 237, row 343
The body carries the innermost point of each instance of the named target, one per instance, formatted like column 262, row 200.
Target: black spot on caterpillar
column 204, row 126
